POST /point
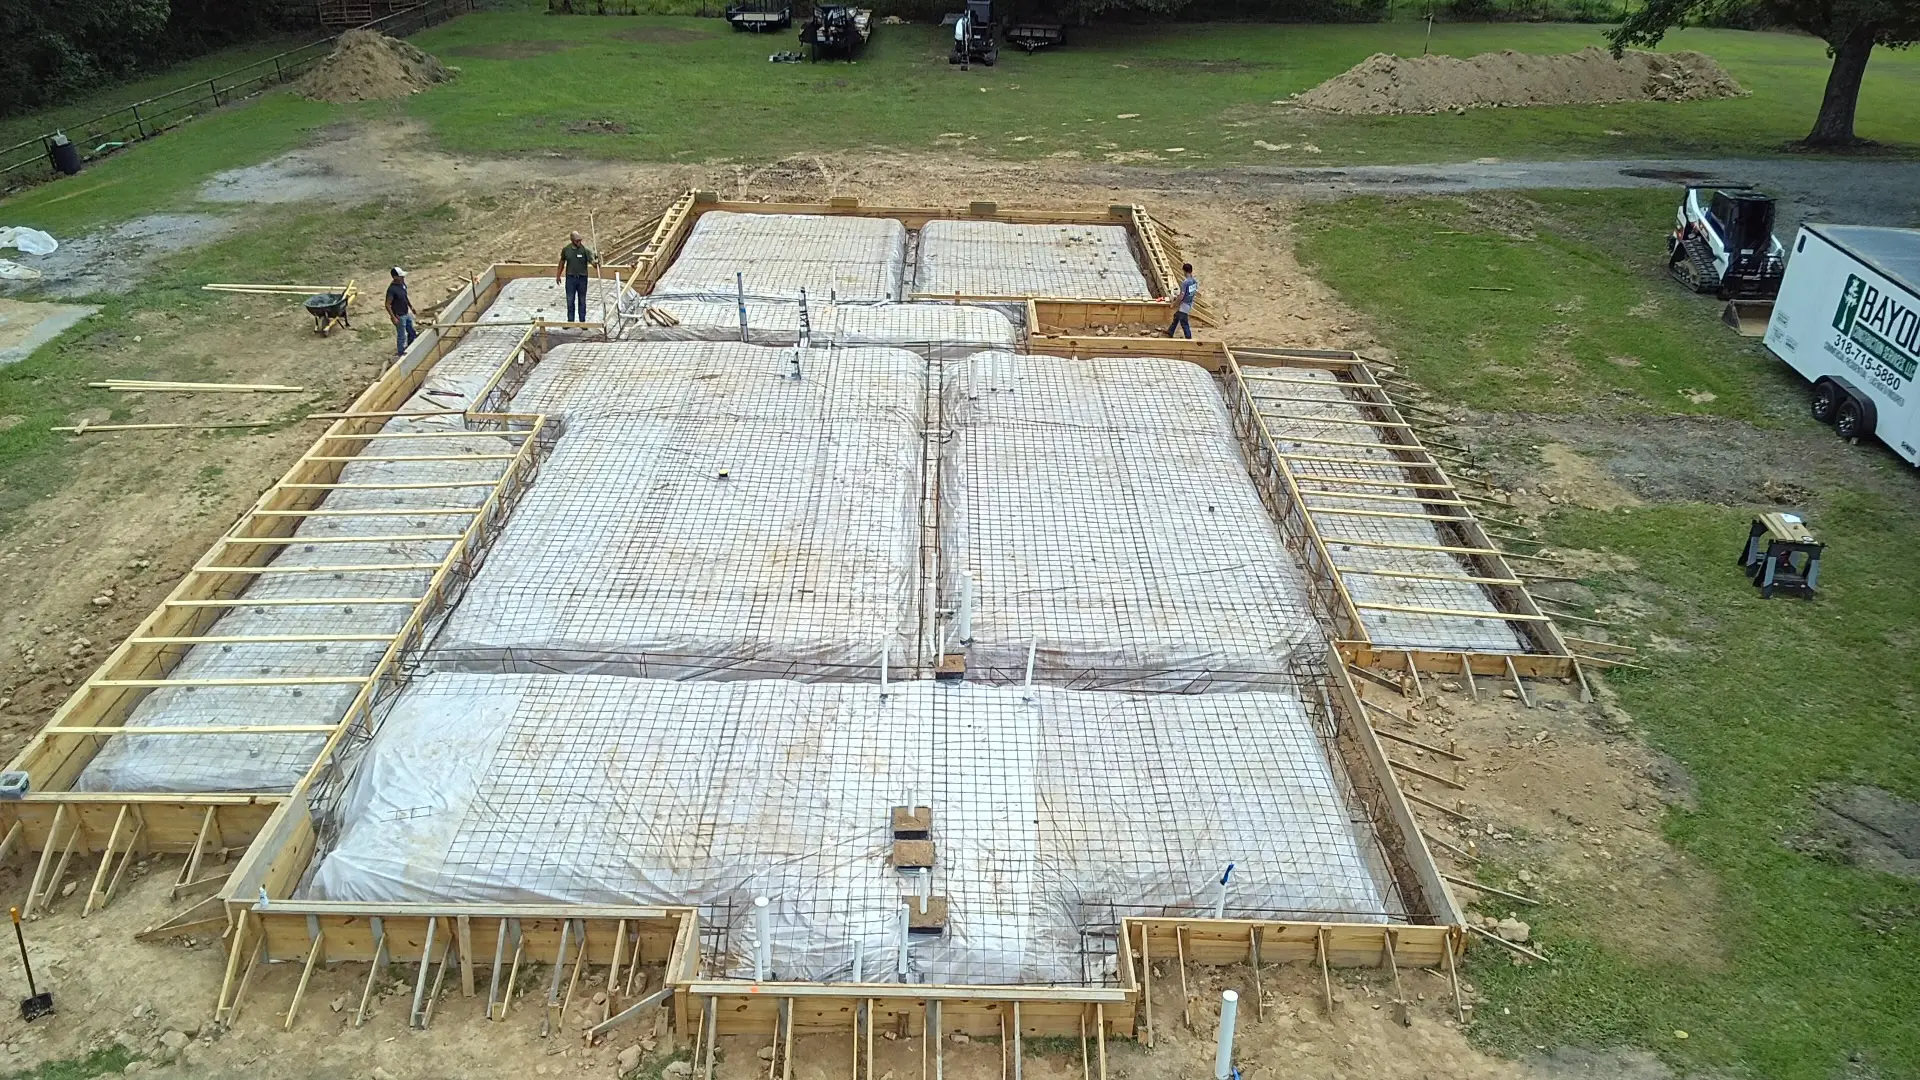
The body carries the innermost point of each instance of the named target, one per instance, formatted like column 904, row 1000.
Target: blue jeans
column 1180, row 321
column 576, row 298
column 403, row 334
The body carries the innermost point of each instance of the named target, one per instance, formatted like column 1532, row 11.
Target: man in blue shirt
column 1189, row 289
column 400, row 312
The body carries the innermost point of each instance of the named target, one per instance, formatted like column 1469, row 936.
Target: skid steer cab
column 975, row 35
column 1722, row 243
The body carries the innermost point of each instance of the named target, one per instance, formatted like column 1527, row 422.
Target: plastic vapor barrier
column 705, row 513
column 1107, row 523
column 1052, row 810
column 993, row 258
column 850, row 259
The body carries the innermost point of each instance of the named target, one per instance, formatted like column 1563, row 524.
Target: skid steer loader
column 1722, row 243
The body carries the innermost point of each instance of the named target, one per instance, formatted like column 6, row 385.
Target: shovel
column 41, row 1003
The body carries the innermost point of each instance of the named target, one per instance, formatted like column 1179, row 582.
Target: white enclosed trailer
column 1848, row 319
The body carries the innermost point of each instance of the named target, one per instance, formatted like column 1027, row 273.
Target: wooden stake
column 89, row 429
column 1490, row 889
column 1326, row 976
column 1146, row 979
column 306, row 975
column 373, row 976
column 1448, row 810
column 1514, row 674
column 1514, row 945
column 463, row 928
column 1100, row 1033
column 1428, row 747
column 1402, row 766
column 1453, row 977
column 1466, row 670
column 1186, row 1002
column 1253, row 961
column 1393, row 964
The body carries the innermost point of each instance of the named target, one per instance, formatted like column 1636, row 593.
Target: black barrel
column 66, row 156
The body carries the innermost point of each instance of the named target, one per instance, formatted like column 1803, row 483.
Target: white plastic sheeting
column 1337, row 421
column 1048, row 807
column 943, row 331
column 1104, row 513
column 852, row 259
column 993, row 258
column 707, row 514
column 275, row 762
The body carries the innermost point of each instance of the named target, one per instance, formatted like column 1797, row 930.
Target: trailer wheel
column 1850, row 421
column 1826, row 401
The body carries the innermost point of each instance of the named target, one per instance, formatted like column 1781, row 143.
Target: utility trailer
column 1848, row 319
column 836, row 31
column 759, row 16
column 1031, row 34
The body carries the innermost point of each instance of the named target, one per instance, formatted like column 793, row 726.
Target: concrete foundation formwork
column 501, row 788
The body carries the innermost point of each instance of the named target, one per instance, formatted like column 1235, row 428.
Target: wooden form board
column 747, row 1008
column 172, row 822
column 1220, row 942
column 1548, row 653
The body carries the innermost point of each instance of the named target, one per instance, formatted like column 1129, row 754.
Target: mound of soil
column 1384, row 84
column 369, row 66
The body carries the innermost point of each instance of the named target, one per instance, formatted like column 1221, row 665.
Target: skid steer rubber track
column 1692, row 266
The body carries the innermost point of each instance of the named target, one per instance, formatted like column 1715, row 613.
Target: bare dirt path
column 1852, row 192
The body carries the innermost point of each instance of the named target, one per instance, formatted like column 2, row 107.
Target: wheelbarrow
column 328, row 310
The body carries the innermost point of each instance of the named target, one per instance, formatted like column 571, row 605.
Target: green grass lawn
column 1540, row 302
column 24, row 126
column 690, row 89
column 165, row 173
column 1765, row 701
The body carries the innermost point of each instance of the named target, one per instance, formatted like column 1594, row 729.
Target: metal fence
column 31, row 161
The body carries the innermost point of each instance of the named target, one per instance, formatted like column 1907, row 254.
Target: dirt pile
column 369, row 66
column 1384, row 84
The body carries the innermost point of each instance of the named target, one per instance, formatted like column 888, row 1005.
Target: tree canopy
column 1851, row 29
column 57, row 49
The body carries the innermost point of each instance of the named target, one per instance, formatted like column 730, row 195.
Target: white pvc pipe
column 859, row 959
column 1220, row 902
column 762, row 943
column 966, row 606
column 972, row 391
column 1223, row 1052
column 905, row 913
column 1033, row 650
column 924, row 876
column 740, row 292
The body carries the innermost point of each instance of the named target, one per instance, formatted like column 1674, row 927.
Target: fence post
column 216, row 93
column 277, row 76
column 139, row 125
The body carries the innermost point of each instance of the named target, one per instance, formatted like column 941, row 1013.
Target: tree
column 1851, row 28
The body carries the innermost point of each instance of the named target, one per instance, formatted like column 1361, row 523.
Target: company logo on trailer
column 1883, row 327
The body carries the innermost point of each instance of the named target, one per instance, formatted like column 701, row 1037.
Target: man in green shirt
column 575, row 260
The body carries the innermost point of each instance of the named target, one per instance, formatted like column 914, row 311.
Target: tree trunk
column 1834, row 128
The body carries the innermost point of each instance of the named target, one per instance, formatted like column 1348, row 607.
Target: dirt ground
column 1562, row 786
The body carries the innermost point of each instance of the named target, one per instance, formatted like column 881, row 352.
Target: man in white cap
column 400, row 311
column 576, row 261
